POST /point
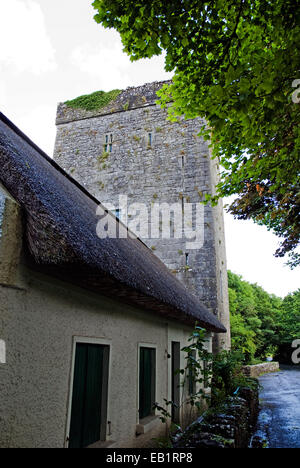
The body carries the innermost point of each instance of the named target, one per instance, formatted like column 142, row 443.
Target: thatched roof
column 60, row 236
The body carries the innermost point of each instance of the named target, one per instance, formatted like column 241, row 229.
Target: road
column 279, row 418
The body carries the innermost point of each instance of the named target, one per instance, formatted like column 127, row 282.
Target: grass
column 94, row 101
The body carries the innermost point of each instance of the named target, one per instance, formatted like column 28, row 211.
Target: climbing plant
column 196, row 375
column 220, row 372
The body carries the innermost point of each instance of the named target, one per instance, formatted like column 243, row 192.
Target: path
column 279, row 419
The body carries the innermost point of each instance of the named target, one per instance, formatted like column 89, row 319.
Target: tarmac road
column 279, row 418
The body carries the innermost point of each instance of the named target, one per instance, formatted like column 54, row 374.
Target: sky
column 52, row 51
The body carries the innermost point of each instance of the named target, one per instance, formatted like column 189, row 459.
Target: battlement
column 127, row 99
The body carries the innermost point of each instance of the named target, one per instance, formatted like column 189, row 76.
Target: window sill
column 103, row 444
column 147, row 424
column 207, row 391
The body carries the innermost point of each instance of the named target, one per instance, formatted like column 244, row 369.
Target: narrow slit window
column 187, row 259
column 117, row 213
column 150, row 139
column 108, row 143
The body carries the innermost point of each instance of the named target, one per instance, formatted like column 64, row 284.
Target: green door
column 175, row 381
column 88, row 391
column 147, row 382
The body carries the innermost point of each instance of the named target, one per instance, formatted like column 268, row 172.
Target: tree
column 290, row 318
column 261, row 322
column 256, row 318
column 234, row 64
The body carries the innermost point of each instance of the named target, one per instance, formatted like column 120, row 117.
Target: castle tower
column 127, row 147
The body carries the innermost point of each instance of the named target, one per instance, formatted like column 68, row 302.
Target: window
column 147, row 381
column 89, row 396
column 221, row 286
column 187, row 259
column 108, row 143
column 117, row 213
column 150, row 139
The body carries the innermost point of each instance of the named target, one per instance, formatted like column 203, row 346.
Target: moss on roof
column 94, row 101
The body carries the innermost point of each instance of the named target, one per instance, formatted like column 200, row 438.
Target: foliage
column 196, row 374
column 261, row 322
column 234, row 64
column 254, row 318
column 290, row 318
column 94, row 101
column 103, row 157
column 228, row 377
column 198, row 367
column 221, row 372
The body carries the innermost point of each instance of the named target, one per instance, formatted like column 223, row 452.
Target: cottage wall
column 39, row 324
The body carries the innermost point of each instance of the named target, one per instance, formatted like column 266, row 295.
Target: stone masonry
column 129, row 148
column 259, row 369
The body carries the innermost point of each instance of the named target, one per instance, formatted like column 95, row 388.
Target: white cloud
column 107, row 65
column 39, row 124
column 112, row 68
column 25, row 44
column 3, row 97
column 250, row 253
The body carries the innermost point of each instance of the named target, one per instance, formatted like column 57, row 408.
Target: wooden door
column 147, row 382
column 88, row 412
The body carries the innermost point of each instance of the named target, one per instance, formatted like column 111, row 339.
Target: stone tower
column 128, row 148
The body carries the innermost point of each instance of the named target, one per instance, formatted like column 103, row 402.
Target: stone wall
column 130, row 149
column 259, row 369
column 231, row 426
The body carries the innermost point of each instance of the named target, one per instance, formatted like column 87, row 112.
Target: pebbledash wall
column 40, row 321
column 130, row 148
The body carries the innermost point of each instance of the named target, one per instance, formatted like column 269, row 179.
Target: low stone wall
column 259, row 369
column 228, row 427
